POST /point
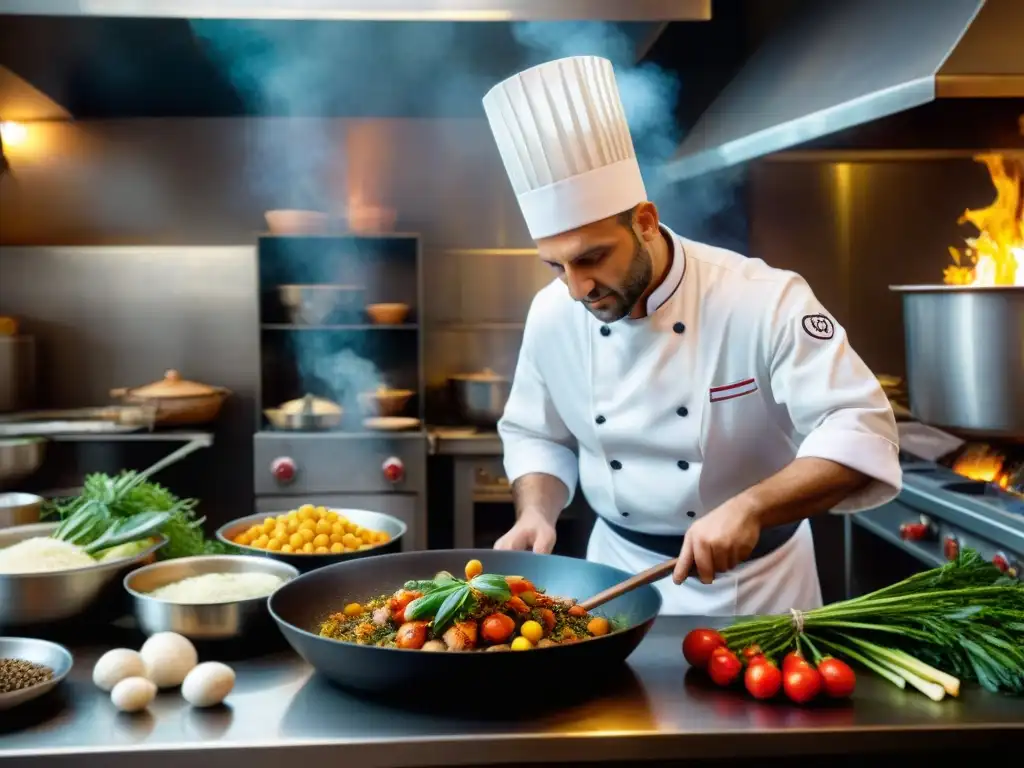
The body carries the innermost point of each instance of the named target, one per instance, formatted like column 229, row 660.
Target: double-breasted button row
column 676, row 327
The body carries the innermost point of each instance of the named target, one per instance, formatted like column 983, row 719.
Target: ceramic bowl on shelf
column 296, row 222
column 388, row 314
column 385, row 402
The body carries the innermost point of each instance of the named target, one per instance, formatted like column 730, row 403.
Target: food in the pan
column 18, row 674
column 311, row 530
column 218, row 588
column 961, row 621
column 481, row 612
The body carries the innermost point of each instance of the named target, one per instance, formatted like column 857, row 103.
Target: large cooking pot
column 299, row 606
column 479, row 398
column 965, row 357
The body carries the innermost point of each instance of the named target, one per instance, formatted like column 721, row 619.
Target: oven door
column 483, row 508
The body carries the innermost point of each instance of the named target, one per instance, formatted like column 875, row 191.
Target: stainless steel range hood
column 373, row 10
column 844, row 63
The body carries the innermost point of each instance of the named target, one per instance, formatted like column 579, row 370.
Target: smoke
column 303, row 70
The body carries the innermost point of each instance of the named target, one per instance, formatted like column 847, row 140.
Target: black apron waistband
column 670, row 546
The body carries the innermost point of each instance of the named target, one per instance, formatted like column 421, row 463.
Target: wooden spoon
column 660, row 571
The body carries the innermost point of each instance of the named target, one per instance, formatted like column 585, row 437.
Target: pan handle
column 660, row 571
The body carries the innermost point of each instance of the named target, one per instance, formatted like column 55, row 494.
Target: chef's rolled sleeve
column 533, row 436
column 837, row 407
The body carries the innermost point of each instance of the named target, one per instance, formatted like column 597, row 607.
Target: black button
column 600, row 419
column 606, row 331
column 678, row 327
column 682, row 411
column 691, row 513
column 625, row 514
column 616, row 464
column 683, row 464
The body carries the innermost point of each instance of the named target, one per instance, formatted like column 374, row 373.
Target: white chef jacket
column 735, row 371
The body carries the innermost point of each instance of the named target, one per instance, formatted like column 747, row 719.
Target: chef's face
column 606, row 265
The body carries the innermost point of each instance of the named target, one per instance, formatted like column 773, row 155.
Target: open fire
column 995, row 256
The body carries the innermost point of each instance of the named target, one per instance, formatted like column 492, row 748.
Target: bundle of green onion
column 963, row 620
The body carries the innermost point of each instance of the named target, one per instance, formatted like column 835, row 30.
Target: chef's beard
column 625, row 297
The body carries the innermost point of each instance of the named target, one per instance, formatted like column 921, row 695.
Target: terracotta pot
column 178, row 402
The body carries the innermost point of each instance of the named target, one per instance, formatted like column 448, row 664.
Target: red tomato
column 517, row 585
column 763, row 679
column 497, row 628
column 837, row 678
column 698, row 646
column 793, row 659
column 399, row 601
column 412, row 635
column 724, row 666
column 802, row 683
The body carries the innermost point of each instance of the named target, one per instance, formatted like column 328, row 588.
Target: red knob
column 951, row 547
column 283, row 469
column 1001, row 561
column 394, row 469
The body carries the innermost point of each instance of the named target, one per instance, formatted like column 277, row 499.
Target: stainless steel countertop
column 280, row 712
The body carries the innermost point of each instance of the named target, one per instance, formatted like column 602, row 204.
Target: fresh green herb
column 446, row 598
column 962, row 620
column 450, row 608
column 106, row 500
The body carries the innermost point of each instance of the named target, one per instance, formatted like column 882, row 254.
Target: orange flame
column 984, row 464
column 996, row 255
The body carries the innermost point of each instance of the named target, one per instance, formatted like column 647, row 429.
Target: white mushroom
column 168, row 657
column 133, row 694
column 115, row 666
column 208, row 684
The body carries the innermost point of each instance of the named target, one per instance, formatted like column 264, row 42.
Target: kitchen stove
column 955, row 495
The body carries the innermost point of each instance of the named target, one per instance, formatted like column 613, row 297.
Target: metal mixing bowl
column 56, row 657
column 19, row 509
column 36, row 598
column 202, row 621
column 374, row 521
column 19, row 458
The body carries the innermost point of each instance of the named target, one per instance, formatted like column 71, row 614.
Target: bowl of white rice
column 45, row 580
column 211, row 597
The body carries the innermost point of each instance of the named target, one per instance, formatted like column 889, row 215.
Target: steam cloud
column 292, row 69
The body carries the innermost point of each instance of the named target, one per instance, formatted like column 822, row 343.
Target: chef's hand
column 531, row 531
column 718, row 542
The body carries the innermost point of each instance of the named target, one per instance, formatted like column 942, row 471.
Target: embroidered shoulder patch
column 818, row 326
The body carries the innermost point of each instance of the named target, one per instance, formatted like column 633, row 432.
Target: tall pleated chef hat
column 562, row 134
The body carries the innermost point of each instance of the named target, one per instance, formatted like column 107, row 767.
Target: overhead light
column 13, row 133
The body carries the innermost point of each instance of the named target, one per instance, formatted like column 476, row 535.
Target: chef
column 706, row 402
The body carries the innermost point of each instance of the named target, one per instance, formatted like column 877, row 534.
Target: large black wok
column 302, row 603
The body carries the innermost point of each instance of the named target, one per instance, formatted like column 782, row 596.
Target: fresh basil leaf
column 492, row 586
column 443, row 577
column 427, row 606
column 449, row 608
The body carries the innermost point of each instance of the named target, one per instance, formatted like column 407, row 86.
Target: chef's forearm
column 806, row 487
column 541, row 494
